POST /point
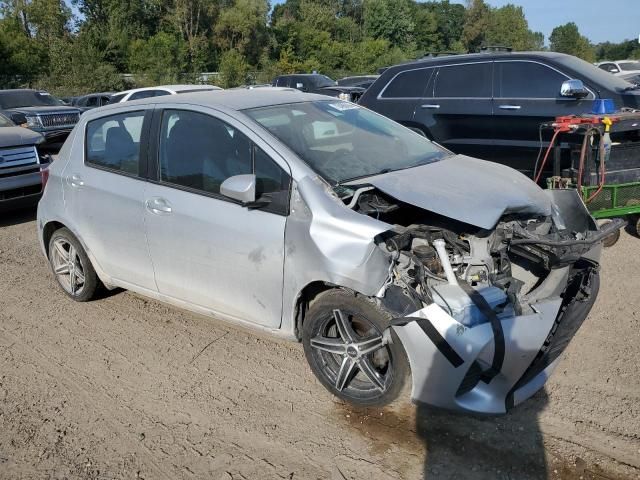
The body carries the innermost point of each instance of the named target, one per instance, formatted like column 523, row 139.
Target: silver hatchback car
column 323, row 222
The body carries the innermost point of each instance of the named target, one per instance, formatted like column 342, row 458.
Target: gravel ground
column 125, row 387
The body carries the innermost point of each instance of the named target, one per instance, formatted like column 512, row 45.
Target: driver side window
column 199, row 152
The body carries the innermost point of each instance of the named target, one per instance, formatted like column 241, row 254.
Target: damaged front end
column 484, row 314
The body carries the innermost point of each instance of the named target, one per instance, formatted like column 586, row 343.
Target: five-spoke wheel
column 346, row 346
column 71, row 266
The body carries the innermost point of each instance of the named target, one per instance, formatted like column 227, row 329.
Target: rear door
column 527, row 94
column 456, row 108
column 104, row 189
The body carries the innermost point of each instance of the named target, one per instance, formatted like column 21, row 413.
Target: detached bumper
column 449, row 361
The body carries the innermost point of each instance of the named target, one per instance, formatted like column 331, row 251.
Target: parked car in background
column 318, row 220
column 42, row 113
column 621, row 67
column 316, row 83
column 491, row 105
column 21, row 165
column 92, row 100
column 159, row 91
column 362, row 81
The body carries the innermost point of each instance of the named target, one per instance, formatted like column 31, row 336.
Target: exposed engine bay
column 437, row 260
column 498, row 305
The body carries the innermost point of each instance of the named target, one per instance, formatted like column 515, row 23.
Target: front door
column 209, row 250
column 527, row 94
column 104, row 189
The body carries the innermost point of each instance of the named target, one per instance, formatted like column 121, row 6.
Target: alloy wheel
column 67, row 266
column 353, row 353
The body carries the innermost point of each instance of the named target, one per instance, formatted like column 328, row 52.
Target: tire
column 71, row 266
column 363, row 370
column 612, row 239
column 635, row 221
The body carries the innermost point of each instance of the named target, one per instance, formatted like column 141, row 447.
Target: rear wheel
column 345, row 345
column 71, row 266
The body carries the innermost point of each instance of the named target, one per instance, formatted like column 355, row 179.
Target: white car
column 620, row 67
column 159, row 91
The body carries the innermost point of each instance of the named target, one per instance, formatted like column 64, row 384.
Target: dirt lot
column 124, row 387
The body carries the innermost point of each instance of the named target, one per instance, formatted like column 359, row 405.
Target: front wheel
column 344, row 342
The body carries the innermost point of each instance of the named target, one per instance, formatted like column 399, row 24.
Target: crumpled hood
column 466, row 189
column 18, row 137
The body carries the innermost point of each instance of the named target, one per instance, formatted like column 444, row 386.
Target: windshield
column 5, row 122
column 27, row 98
column 342, row 141
column 629, row 66
column 323, row 81
column 591, row 74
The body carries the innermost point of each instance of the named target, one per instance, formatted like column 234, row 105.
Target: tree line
column 44, row 45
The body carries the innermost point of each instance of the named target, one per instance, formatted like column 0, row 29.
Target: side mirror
column 300, row 87
column 614, row 70
column 240, row 187
column 19, row 118
column 573, row 89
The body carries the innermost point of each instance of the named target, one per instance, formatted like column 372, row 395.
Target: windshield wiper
column 632, row 87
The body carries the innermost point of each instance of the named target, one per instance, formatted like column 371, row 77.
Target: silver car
column 323, row 222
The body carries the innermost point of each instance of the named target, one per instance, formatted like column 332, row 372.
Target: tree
column 509, row 27
column 233, row 69
column 476, row 25
column 242, row 26
column 567, row 39
column 390, row 20
column 161, row 58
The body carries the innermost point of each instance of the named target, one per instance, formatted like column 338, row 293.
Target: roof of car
column 482, row 56
column 232, row 99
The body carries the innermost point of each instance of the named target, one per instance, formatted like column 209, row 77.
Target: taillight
column 44, row 175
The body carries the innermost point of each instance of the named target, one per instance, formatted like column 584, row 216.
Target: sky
column 598, row 20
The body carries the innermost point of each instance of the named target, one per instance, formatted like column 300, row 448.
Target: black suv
column 491, row 105
column 42, row 113
column 316, row 83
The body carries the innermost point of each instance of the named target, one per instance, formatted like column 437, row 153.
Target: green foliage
column 628, row 49
column 160, row 58
column 389, row 20
column 233, row 69
column 567, row 39
column 164, row 41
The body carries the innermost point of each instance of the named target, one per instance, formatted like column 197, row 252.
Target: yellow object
column 607, row 123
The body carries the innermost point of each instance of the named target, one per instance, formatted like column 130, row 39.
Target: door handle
column 75, row 181
column 158, row 206
column 430, row 105
column 510, row 107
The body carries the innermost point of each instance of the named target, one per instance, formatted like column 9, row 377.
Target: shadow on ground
column 460, row 446
column 17, row 216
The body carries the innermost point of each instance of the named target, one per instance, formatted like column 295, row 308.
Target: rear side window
column 527, row 80
column 113, row 142
column 408, row 84
column 472, row 80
